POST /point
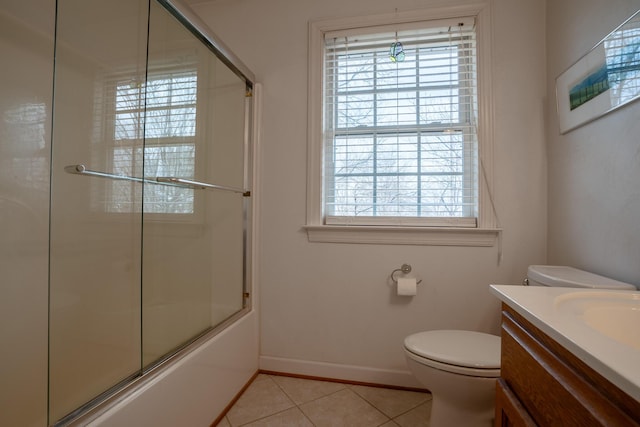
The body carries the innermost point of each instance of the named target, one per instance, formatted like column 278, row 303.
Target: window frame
column 374, row 130
column 390, row 231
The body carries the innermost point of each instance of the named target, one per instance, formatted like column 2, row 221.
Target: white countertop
column 614, row 360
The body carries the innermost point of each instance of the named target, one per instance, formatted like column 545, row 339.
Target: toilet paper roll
column 407, row 286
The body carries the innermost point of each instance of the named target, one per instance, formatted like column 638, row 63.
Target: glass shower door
column 149, row 234
column 193, row 238
column 96, row 222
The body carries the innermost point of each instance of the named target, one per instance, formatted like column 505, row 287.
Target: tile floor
column 278, row 401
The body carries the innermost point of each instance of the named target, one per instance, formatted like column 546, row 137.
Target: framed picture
column 604, row 79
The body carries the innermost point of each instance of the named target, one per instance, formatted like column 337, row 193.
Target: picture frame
column 603, row 80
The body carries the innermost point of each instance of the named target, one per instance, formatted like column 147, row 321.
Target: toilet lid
column 569, row 277
column 460, row 348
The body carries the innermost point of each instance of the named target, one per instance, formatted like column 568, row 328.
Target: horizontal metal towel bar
column 163, row 180
column 203, row 185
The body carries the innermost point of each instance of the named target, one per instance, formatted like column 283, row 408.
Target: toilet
column 460, row 368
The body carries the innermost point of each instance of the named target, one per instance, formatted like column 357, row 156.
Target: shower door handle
column 82, row 170
column 164, row 180
column 202, row 185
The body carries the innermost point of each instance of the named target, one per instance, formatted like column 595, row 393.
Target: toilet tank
column 569, row 277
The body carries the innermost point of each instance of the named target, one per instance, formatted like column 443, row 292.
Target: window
column 395, row 133
column 400, row 132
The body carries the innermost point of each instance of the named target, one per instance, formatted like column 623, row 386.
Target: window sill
column 423, row 236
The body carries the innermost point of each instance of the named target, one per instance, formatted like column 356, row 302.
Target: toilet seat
column 462, row 352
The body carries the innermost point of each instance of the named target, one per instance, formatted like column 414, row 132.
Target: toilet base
column 458, row 400
column 443, row 414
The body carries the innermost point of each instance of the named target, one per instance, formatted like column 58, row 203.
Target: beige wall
column 594, row 171
column 331, row 303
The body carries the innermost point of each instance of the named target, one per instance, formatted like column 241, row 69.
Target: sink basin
column 599, row 326
column 613, row 314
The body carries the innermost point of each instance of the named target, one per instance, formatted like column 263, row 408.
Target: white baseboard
column 362, row 374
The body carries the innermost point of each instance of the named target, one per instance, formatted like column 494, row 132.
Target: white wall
column 594, row 171
column 328, row 307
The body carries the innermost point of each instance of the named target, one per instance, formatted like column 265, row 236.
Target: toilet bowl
column 460, row 368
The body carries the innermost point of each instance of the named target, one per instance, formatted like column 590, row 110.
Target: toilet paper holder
column 404, row 269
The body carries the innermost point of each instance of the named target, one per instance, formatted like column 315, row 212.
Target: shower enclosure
column 150, row 201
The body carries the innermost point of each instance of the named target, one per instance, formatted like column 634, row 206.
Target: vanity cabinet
column 543, row 384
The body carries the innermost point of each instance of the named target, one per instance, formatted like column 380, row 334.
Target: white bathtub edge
column 195, row 390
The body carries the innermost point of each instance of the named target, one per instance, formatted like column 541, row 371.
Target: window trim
column 486, row 232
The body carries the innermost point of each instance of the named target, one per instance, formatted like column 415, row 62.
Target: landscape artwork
column 604, row 79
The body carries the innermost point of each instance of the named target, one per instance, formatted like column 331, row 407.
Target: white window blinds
column 400, row 134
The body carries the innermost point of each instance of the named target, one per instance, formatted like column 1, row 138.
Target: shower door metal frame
column 200, row 30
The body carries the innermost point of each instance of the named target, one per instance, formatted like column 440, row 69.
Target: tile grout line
column 370, row 404
column 271, row 415
column 412, row 408
column 295, row 405
column 388, row 416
